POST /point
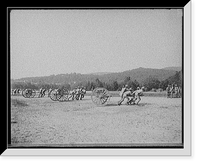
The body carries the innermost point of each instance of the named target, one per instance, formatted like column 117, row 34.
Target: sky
column 47, row 42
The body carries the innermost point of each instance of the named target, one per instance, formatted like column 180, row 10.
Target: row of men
column 16, row 91
column 77, row 92
column 173, row 91
column 42, row 91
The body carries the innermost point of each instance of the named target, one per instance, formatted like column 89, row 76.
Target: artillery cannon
column 59, row 95
column 100, row 96
column 28, row 93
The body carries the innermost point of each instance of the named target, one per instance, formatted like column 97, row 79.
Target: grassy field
column 42, row 122
column 150, row 94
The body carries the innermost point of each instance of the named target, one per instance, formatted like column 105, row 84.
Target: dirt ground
column 43, row 122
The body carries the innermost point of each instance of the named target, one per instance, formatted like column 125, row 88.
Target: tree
column 132, row 84
column 136, row 83
column 164, row 84
column 92, row 86
column 127, row 79
column 88, row 86
column 151, row 82
column 115, row 85
column 67, row 86
column 175, row 79
column 98, row 83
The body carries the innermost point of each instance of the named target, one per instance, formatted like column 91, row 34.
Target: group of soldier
column 16, row 91
column 132, row 96
column 77, row 93
column 173, row 91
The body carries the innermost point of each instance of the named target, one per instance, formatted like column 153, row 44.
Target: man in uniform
column 40, row 92
column 176, row 90
column 168, row 89
column 138, row 93
column 77, row 94
column 124, row 94
column 43, row 92
column 82, row 92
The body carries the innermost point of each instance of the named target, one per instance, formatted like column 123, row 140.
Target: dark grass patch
column 18, row 103
column 165, row 107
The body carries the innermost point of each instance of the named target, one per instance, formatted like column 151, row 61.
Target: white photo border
column 186, row 151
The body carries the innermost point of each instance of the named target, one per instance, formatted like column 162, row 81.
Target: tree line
column 113, row 85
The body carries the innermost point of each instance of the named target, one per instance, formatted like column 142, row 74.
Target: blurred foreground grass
column 18, row 103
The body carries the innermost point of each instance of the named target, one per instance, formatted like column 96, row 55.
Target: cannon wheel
column 100, row 96
column 63, row 95
column 33, row 93
column 53, row 95
column 24, row 93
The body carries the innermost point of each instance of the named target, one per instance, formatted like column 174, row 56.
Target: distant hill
column 139, row 74
column 173, row 68
column 100, row 73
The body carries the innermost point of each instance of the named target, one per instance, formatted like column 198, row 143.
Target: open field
column 151, row 94
column 43, row 122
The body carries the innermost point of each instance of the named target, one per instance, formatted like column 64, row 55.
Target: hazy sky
column 46, row 42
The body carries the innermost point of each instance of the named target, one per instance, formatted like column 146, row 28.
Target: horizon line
column 96, row 72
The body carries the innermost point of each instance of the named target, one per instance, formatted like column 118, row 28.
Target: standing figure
column 172, row 91
column 40, row 92
column 43, row 92
column 73, row 93
column 168, row 89
column 179, row 91
column 176, row 91
column 49, row 91
column 82, row 92
column 77, row 95
column 14, row 91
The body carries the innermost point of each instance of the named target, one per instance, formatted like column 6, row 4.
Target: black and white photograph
column 104, row 78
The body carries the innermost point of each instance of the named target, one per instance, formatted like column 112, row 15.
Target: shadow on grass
column 140, row 104
column 112, row 104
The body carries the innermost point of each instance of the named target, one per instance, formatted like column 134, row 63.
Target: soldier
column 138, row 93
column 49, row 92
column 43, row 92
column 125, row 92
column 40, row 92
column 179, row 91
column 172, row 90
column 18, row 91
column 176, row 90
column 124, row 89
column 14, row 91
column 77, row 94
column 168, row 89
column 82, row 92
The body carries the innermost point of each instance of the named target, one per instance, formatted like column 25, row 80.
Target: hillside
column 139, row 74
column 173, row 68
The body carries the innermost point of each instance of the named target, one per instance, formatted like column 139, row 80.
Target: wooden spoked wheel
column 53, row 95
column 100, row 96
column 28, row 93
column 62, row 95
